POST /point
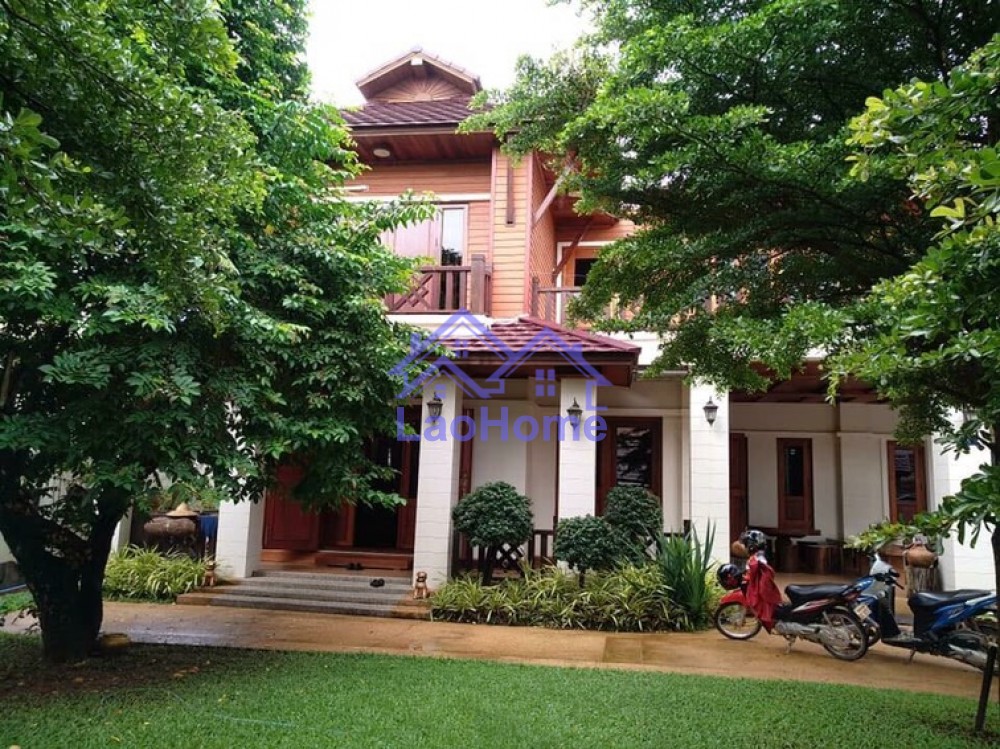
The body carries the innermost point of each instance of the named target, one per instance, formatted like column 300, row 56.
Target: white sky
column 351, row 38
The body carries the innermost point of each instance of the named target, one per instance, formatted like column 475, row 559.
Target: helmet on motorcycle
column 729, row 576
column 753, row 540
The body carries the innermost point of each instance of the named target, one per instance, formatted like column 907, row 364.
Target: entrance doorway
column 629, row 455
column 907, row 482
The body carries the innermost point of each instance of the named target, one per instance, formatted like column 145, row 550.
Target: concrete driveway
column 697, row 653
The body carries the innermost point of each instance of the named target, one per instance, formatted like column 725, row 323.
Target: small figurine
column 209, row 581
column 420, row 588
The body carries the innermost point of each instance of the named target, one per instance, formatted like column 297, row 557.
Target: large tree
column 929, row 339
column 183, row 290
column 720, row 127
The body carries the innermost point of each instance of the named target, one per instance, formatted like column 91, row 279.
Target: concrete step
column 402, row 610
column 359, row 595
column 326, row 581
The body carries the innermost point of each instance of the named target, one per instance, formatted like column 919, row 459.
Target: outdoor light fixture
column 711, row 411
column 382, row 152
column 574, row 413
column 434, row 407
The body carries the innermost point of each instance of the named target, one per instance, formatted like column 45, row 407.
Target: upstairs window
column 441, row 238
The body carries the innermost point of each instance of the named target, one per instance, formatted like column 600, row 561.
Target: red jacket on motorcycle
column 762, row 593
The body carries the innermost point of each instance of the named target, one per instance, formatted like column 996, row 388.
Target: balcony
column 551, row 302
column 446, row 288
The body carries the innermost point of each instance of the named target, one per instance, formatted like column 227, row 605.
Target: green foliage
column 630, row 599
column 145, row 574
column 15, row 603
column 217, row 698
column 686, row 564
column 637, row 514
column 721, row 130
column 931, row 339
column 590, row 543
column 494, row 514
column 183, row 288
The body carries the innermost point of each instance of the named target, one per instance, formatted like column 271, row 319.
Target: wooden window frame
column 805, row 526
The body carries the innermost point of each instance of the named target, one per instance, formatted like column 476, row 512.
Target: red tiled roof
column 393, row 114
column 518, row 334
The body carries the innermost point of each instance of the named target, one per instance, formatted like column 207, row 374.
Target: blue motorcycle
column 957, row 624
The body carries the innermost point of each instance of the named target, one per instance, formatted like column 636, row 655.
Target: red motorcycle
column 827, row 614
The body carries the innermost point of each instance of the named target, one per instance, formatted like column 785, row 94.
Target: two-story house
column 520, row 400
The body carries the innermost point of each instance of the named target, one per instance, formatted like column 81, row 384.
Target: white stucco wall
column 5, row 555
column 849, row 460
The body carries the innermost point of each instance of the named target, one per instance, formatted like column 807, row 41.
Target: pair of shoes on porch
column 354, row 566
column 378, row 582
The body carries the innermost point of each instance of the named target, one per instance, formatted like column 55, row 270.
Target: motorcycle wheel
column 736, row 621
column 858, row 645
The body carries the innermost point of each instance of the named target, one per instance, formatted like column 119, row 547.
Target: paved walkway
column 698, row 653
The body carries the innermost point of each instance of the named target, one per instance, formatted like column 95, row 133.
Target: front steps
column 318, row 592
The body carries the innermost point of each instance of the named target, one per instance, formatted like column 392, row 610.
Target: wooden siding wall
column 542, row 243
column 440, row 178
column 431, row 88
column 509, row 282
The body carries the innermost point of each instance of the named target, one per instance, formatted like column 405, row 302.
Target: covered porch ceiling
column 808, row 385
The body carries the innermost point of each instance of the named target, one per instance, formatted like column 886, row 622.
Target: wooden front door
column 795, row 486
column 907, row 482
column 629, row 455
column 286, row 524
column 739, row 517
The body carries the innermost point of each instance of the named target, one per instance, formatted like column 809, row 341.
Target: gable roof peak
column 415, row 64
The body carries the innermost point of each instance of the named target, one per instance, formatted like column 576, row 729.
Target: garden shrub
column 590, row 543
column 491, row 516
column 636, row 513
column 629, row 599
column 12, row 605
column 147, row 574
column 686, row 564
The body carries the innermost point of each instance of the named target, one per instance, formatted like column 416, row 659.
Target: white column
column 962, row 566
column 241, row 537
column 437, row 483
column 123, row 532
column 577, row 488
column 709, row 466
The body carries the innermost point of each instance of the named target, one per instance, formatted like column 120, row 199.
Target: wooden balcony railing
column 447, row 288
column 552, row 302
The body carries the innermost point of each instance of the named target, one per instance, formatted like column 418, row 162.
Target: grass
column 186, row 697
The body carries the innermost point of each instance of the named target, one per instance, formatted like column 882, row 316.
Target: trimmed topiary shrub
column 637, row 515
column 589, row 543
column 491, row 516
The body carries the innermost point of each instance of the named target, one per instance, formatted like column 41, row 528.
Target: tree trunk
column 63, row 569
column 68, row 594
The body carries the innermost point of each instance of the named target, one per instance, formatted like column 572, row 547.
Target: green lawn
column 197, row 697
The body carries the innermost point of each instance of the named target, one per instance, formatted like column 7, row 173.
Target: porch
column 446, row 289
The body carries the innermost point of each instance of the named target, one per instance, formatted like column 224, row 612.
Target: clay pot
column 919, row 556
column 167, row 527
column 739, row 550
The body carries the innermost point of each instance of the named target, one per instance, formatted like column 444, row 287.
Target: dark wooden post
column 477, row 285
column 534, row 296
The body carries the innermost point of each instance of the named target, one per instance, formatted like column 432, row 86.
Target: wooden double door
column 290, row 527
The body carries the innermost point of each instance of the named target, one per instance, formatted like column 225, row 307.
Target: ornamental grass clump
column 147, row 574
column 630, row 599
column 686, row 564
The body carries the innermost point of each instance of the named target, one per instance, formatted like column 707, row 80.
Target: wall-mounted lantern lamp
column 711, row 411
column 434, row 407
column 574, row 413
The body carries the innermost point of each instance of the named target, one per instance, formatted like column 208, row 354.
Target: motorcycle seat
column 799, row 594
column 937, row 599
